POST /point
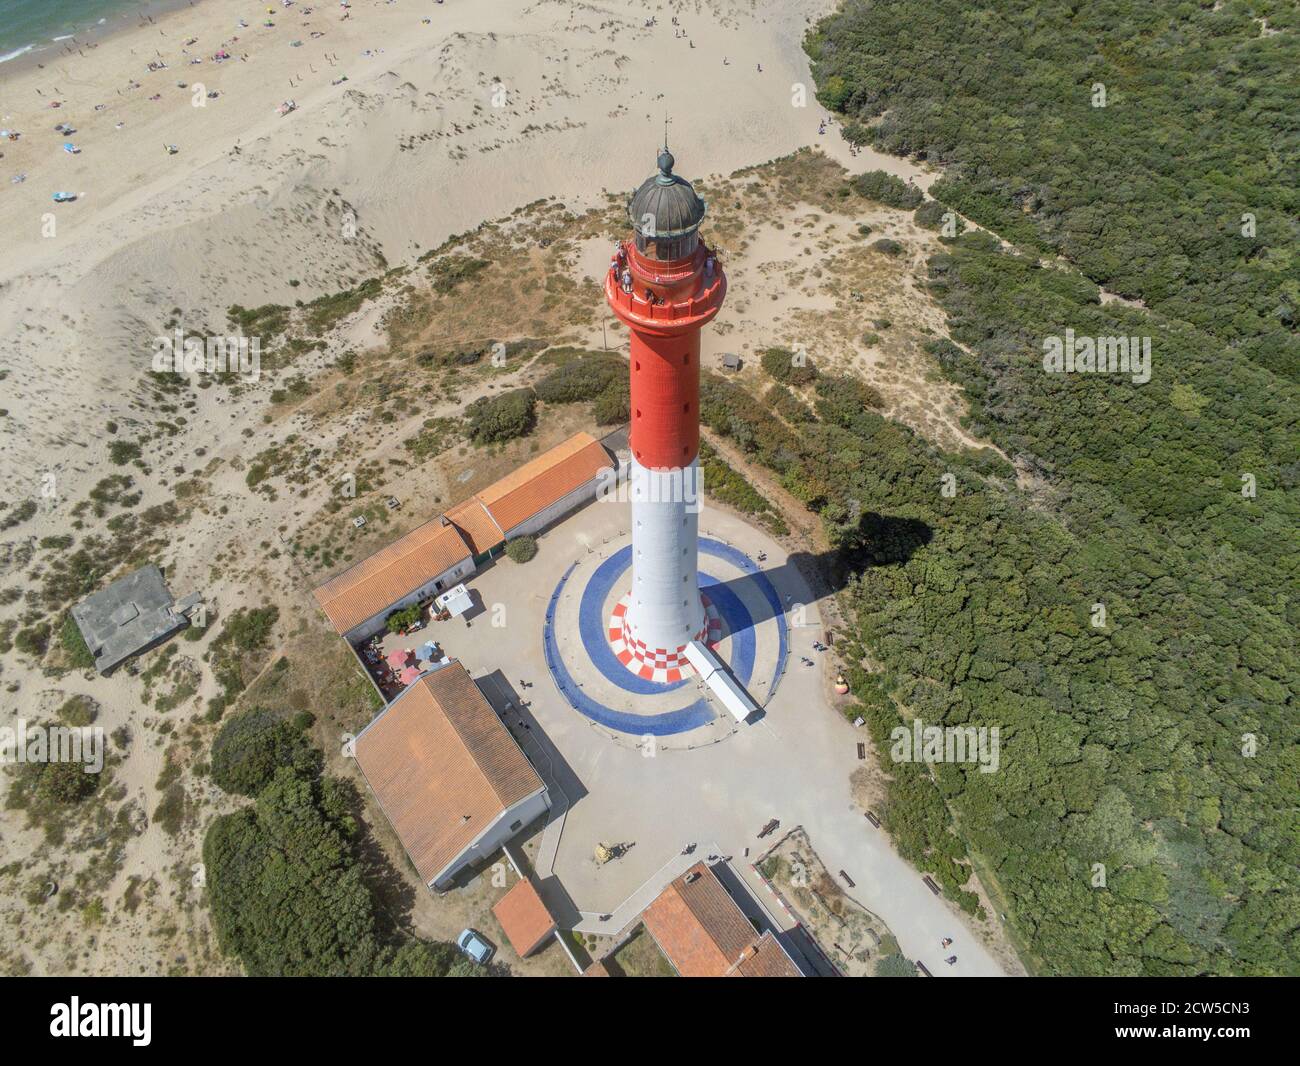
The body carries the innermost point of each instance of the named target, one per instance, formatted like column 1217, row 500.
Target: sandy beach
column 423, row 139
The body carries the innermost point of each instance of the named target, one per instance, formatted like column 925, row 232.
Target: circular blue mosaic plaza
column 598, row 686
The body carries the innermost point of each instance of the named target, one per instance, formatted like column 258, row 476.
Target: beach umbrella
column 428, row 651
column 397, row 657
column 409, row 675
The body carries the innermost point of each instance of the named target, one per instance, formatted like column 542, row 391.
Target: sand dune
column 488, row 106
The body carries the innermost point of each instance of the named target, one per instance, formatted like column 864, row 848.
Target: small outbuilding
column 524, row 918
column 132, row 615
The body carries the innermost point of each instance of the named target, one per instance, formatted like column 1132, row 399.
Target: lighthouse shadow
column 808, row 577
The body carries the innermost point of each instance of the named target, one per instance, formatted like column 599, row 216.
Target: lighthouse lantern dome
column 665, row 213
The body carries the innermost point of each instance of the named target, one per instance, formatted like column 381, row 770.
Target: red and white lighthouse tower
column 664, row 285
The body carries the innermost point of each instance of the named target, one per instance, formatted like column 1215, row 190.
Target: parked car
column 474, row 946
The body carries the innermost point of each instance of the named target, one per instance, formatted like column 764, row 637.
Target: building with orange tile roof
column 548, row 487
column 476, row 526
column 427, row 560
column 449, row 777
column 702, row 932
column 765, row 958
column 524, row 918
column 441, row 553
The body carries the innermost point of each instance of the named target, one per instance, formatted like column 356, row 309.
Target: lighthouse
column 664, row 285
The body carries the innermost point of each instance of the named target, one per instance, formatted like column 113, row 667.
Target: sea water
column 28, row 26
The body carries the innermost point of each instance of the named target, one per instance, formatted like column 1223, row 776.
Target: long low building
column 440, row 554
column 421, row 564
column 449, row 777
column 547, row 488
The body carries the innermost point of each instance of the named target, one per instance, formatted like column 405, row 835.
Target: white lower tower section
column 665, row 611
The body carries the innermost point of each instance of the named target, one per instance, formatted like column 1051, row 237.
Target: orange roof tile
column 544, row 480
column 703, row 933
column 375, row 583
column 766, row 958
column 476, row 525
column 524, row 917
column 442, row 767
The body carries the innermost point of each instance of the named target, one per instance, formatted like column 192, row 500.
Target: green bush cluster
column 251, row 746
column 787, row 367
column 1122, row 744
column 402, row 619
column 451, row 270
column 601, row 377
column 503, row 417
column 288, row 893
column 244, row 633
column 887, row 189
column 522, row 549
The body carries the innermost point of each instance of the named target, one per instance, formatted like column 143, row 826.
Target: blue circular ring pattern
column 594, row 639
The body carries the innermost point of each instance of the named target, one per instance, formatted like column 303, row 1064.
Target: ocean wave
column 15, row 54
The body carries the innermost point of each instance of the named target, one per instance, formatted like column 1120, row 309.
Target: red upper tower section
column 664, row 285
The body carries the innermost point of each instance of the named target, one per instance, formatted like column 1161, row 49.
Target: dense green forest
column 1153, row 143
column 1161, row 744
column 1145, row 817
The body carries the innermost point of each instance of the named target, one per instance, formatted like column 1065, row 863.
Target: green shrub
column 583, row 378
column 448, row 272
column 788, row 405
column 78, row 711
column 75, row 644
column 251, row 746
column 20, row 514
column 403, row 619
column 522, row 549
column 34, row 640
column 244, row 633
column 121, row 452
column 504, row 417
column 613, row 406
column 789, row 367
column 895, row 966
column 887, row 246
column 269, row 320
column 170, row 812
column 65, row 783
column 887, row 189
column 841, row 399
column 325, row 311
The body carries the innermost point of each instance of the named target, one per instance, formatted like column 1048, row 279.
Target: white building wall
column 524, row 813
column 555, row 511
column 448, row 578
column 665, row 609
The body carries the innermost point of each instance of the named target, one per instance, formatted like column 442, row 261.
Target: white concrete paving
column 793, row 764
